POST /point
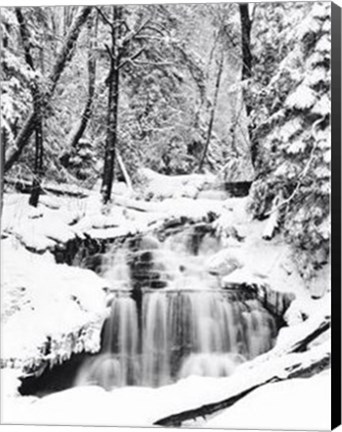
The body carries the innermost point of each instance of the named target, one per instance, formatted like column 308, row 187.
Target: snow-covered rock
column 159, row 186
column 224, row 262
column 48, row 310
column 276, row 302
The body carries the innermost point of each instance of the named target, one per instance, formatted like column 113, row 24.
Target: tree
column 16, row 96
column 115, row 55
column 92, row 25
column 212, row 111
column 24, row 135
column 127, row 45
column 246, row 72
column 37, row 101
column 295, row 136
column 246, row 26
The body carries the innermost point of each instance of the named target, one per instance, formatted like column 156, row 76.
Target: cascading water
column 187, row 326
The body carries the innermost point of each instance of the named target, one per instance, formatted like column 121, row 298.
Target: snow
column 264, row 260
column 298, row 404
column 48, row 287
column 59, row 220
column 158, row 186
column 141, row 406
column 238, row 169
column 38, row 229
column 303, row 307
column 224, row 262
column 46, row 301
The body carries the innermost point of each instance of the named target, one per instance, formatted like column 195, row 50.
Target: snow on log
column 25, row 186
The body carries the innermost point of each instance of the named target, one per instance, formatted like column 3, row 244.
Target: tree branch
column 104, row 18
column 130, row 59
column 131, row 35
column 29, row 126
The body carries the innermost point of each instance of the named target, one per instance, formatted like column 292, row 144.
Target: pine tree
column 294, row 172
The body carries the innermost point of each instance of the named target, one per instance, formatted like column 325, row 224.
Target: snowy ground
column 65, row 306
column 295, row 404
column 48, row 311
column 298, row 404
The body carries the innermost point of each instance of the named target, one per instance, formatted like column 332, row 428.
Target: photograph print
column 168, row 215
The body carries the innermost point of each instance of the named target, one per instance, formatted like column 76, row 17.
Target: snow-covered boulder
column 224, row 262
column 159, row 186
column 49, row 310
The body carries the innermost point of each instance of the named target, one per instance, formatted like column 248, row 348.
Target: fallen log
column 294, row 363
column 25, row 186
column 176, row 420
column 142, row 206
column 302, row 345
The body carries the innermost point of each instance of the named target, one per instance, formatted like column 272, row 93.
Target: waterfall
column 189, row 326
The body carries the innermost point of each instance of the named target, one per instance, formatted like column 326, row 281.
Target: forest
column 165, row 213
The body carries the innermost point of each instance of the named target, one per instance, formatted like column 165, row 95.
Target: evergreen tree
column 294, row 174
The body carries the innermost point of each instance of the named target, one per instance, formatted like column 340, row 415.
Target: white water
column 187, row 328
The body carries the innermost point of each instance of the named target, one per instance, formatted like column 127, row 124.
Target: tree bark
column 63, row 57
column 2, row 160
column 38, row 160
column 91, row 86
column 212, row 112
column 37, row 102
column 246, row 26
column 112, row 110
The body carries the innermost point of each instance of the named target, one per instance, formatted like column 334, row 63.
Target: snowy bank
column 48, row 310
column 297, row 404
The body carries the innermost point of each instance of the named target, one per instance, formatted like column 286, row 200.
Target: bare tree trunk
column 37, row 102
column 91, row 85
column 246, row 27
column 212, row 113
column 38, row 161
column 2, row 160
column 64, row 56
column 112, row 113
